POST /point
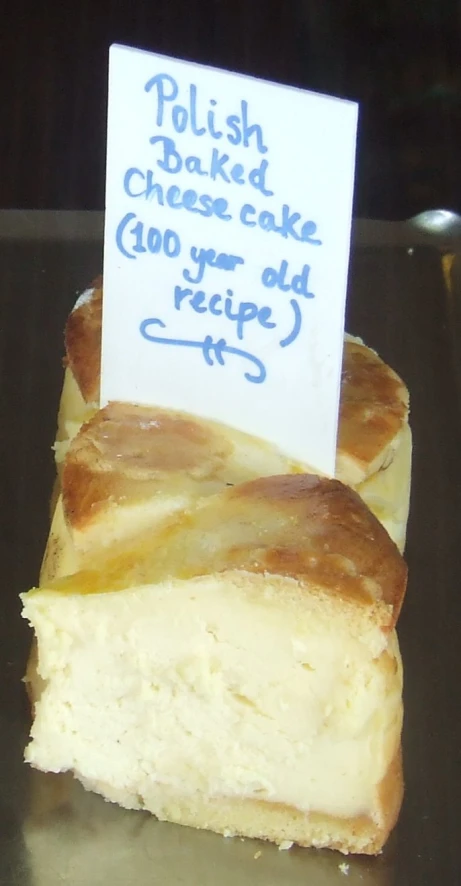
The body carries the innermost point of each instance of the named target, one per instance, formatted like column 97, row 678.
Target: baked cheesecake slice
column 374, row 437
column 237, row 670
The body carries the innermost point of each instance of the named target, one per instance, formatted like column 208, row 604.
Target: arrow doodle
column 211, row 350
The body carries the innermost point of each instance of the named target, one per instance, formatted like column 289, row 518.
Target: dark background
column 401, row 59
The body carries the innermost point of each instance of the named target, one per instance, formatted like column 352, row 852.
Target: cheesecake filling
column 212, row 686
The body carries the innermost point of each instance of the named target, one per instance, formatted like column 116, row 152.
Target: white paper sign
column 228, row 212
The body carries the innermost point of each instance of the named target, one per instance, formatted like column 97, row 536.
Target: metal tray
column 51, row 830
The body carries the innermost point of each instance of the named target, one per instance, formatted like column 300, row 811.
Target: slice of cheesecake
column 374, row 437
column 237, row 671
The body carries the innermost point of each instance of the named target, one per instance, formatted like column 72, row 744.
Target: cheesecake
column 215, row 625
column 235, row 668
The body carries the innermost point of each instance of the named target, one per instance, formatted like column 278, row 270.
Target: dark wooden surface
column 51, row 831
column 400, row 60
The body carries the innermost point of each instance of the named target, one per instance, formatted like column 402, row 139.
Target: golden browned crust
column 83, row 343
column 324, row 534
column 373, row 410
column 127, row 453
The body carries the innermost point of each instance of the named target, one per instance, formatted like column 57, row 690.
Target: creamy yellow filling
column 210, row 686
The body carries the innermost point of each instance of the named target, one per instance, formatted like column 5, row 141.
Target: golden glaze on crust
column 373, row 409
column 312, row 529
column 322, row 533
column 127, row 453
column 83, row 343
column 149, row 440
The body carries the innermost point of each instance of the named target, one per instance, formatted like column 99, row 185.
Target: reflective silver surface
column 437, row 222
column 52, row 831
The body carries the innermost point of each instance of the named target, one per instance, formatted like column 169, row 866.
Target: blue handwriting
column 218, row 305
column 285, row 226
column 293, row 335
column 153, row 239
column 277, row 279
column 208, row 347
column 239, row 131
column 208, row 258
column 137, row 183
column 203, row 204
column 217, row 168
